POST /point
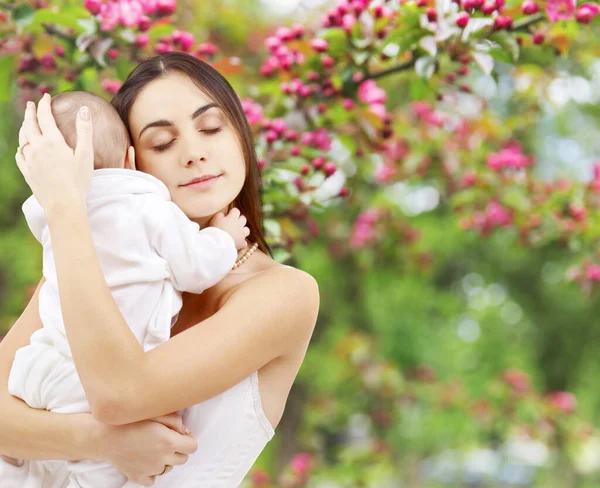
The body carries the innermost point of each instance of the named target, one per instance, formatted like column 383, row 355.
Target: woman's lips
column 208, row 183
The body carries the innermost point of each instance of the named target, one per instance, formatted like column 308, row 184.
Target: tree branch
column 394, row 69
column 53, row 31
column 527, row 22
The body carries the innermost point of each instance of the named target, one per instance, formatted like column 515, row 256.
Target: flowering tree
column 381, row 100
column 321, row 90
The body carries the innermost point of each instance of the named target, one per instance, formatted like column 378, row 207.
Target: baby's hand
column 234, row 224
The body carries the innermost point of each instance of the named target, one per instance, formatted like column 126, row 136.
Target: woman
column 252, row 328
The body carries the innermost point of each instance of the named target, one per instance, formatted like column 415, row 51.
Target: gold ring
column 168, row 468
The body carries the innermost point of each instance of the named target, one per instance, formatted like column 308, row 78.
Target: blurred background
column 432, row 165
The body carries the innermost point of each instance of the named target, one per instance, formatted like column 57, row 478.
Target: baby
column 149, row 252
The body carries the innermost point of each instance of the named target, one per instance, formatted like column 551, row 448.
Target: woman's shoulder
column 295, row 288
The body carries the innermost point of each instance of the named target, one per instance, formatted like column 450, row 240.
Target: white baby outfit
column 149, row 252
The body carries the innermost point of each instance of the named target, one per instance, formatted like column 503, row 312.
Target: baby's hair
column 111, row 138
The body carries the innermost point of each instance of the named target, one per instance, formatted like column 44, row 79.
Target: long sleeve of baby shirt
column 196, row 259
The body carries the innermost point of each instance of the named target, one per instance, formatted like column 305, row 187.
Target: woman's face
column 181, row 135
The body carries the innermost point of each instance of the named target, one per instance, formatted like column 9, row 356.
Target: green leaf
column 281, row 255
column 123, row 68
column 47, row 16
column 337, row 40
column 273, row 228
column 420, row 90
column 23, row 16
column 508, row 43
column 159, row 31
column 7, row 68
column 514, row 198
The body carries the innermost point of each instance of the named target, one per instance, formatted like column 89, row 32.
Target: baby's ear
column 130, row 158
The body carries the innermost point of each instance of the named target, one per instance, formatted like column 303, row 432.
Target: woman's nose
column 196, row 158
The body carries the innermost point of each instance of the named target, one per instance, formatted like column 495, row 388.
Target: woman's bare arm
column 261, row 321
column 27, row 433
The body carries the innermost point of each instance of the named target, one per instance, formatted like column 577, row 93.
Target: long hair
column 211, row 82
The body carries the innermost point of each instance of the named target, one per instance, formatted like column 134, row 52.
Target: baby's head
column 111, row 139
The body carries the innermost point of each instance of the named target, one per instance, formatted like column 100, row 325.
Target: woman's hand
column 142, row 450
column 55, row 173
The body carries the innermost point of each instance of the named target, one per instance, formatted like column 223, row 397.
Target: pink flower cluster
column 296, row 87
column 128, row 13
column 370, row 93
column 111, row 86
column 346, row 12
column 363, row 231
column 318, row 138
column 302, row 463
column 563, row 401
column 511, row 157
column 282, row 56
column 428, row 114
column 595, row 183
column 182, row 40
column 385, row 173
column 558, row 10
column 252, row 110
column 495, row 215
column 517, row 380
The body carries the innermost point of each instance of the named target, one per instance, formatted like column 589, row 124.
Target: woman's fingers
column 173, row 422
column 45, row 119
column 178, row 459
column 31, row 129
column 183, row 444
column 21, row 163
column 84, row 151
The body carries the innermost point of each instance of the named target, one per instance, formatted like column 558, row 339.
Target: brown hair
column 111, row 138
column 211, row 82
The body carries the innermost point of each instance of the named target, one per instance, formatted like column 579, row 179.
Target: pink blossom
column 110, row 15
column 385, row 172
column 563, row 401
column 285, row 34
column 586, row 13
column 142, row 40
column 319, row 45
column 253, row 111
column 93, row 6
column 111, row 86
column 369, row 92
column 592, row 272
column 363, row 231
column 131, row 13
column 577, row 213
column 397, row 150
column 47, row 61
column 150, row 6
column 497, row 215
column 301, row 463
column 379, row 110
column 207, row 48
column 518, row 380
column 166, row 7
column 560, row 9
column 509, row 157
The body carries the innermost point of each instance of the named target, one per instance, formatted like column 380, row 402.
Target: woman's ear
column 130, row 158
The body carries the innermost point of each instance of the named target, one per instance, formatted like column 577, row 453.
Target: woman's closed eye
column 164, row 147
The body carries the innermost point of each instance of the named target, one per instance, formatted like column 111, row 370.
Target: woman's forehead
column 168, row 97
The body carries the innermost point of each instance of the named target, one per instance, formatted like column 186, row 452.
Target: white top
column 149, row 252
column 232, row 430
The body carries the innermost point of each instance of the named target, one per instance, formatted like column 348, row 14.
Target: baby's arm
column 197, row 259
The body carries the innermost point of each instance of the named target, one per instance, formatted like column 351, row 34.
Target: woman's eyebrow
column 167, row 123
